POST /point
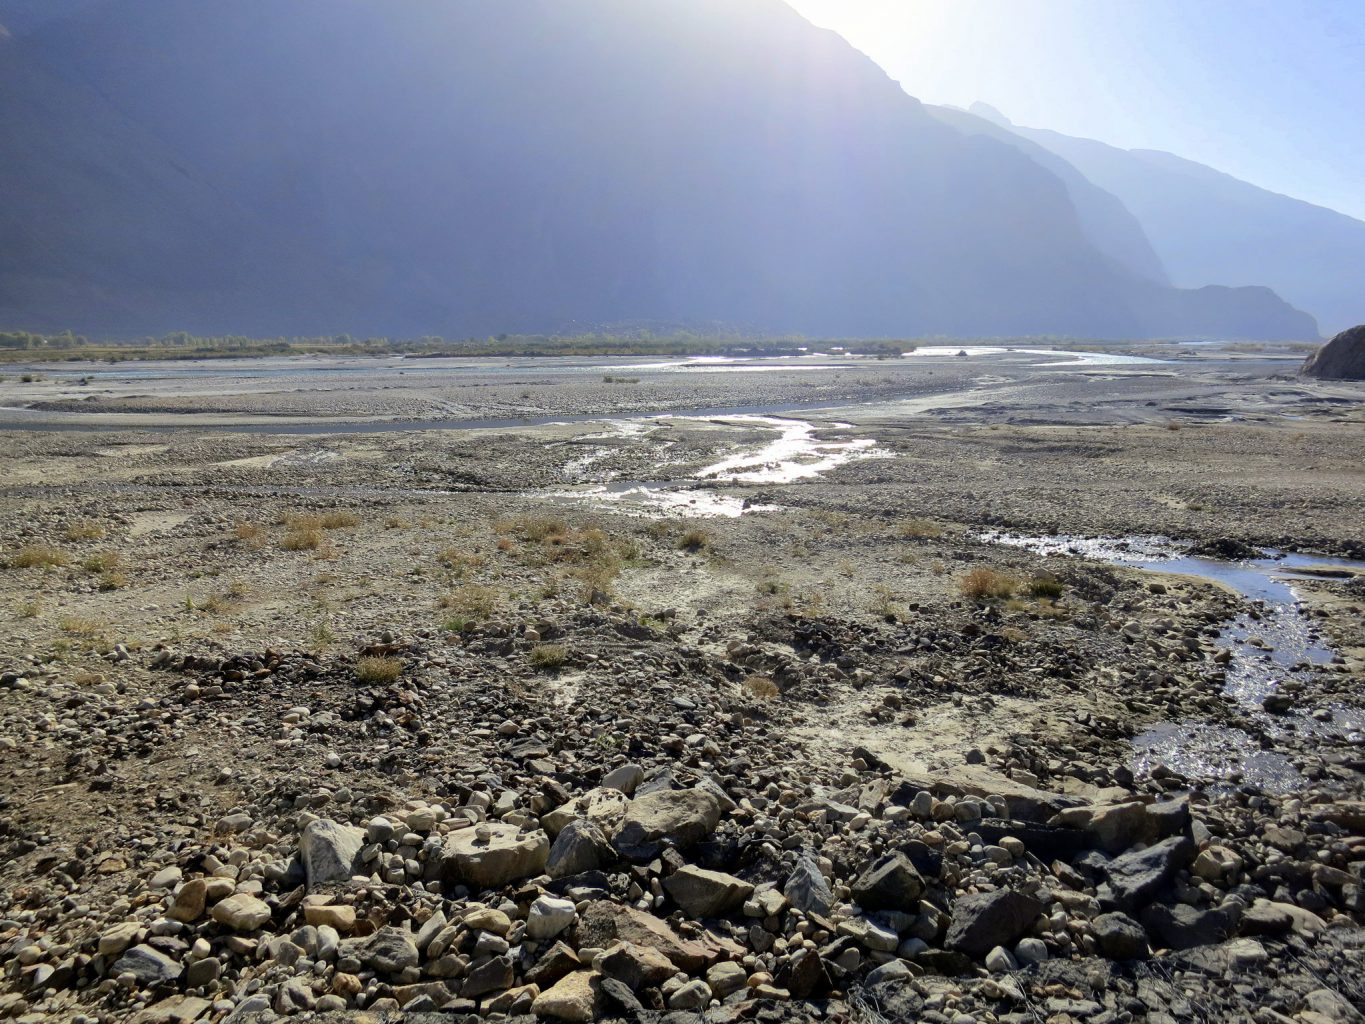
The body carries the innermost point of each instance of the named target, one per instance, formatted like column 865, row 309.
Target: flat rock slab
column 703, row 893
column 490, row 856
column 150, row 966
column 572, row 998
column 604, row 923
column 677, row 817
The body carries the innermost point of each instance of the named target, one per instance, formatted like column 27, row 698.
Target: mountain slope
column 1211, row 228
column 471, row 166
column 1107, row 223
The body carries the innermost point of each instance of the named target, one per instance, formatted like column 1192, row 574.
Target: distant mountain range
column 1208, row 227
column 466, row 167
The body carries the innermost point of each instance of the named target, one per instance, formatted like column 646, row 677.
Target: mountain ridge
column 529, row 166
column 1208, row 226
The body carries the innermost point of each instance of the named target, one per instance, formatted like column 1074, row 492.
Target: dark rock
column 558, row 961
column 804, row 975
column 928, row 861
column 806, row 888
column 946, row 962
column 1045, row 842
column 703, row 893
column 1120, row 937
column 150, row 966
column 1226, row 549
column 982, row 921
column 620, row 998
column 390, row 950
column 892, row 883
column 1265, row 918
column 1134, row 878
column 491, row 976
column 1170, row 818
column 1342, row 358
column 580, row 846
column 1184, row 927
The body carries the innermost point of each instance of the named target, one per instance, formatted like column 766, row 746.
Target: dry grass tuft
column 85, row 529
column 39, row 556
column 458, row 560
column 695, row 540
column 1045, row 588
column 80, row 625
column 761, row 687
column 373, row 670
column 548, row 657
column 302, row 538
column 986, row 584
column 102, row 562
column 470, row 602
column 250, row 534
column 539, row 529
column 920, row 529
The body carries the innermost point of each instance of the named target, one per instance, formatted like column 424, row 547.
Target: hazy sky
column 1272, row 91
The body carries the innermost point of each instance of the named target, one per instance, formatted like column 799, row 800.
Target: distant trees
column 23, row 341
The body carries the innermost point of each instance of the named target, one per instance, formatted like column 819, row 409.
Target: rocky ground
column 385, row 726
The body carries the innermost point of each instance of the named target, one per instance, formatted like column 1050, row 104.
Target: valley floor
column 744, row 713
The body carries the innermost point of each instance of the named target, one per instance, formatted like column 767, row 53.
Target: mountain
column 465, row 167
column 1211, row 228
column 1107, row 223
column 20, row 16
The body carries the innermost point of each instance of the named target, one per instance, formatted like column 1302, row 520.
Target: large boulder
column 1185, row 927
column 677, row 817
column 604, row 923
column 635, row 966
column 148, row 965
column 1120, row 937
column 241, row 912
column 703, row 893
column 492, row 855
column 1134, row 879
column 572, row 998
column 892, row 883
column 580, row 846
column 390, row 950
column 329, row 851
column 1117, row 827
column 982, row 921
column 604, row 807
column 1342, row 358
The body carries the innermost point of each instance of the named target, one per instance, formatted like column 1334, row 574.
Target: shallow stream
column 795, row 454
column 1272, row 643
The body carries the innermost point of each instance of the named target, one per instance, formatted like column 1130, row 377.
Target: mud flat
column 1001, row 687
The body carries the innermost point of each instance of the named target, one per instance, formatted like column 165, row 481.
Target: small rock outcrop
column 1342, row 358
column 678, row 818
column 491, row 855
